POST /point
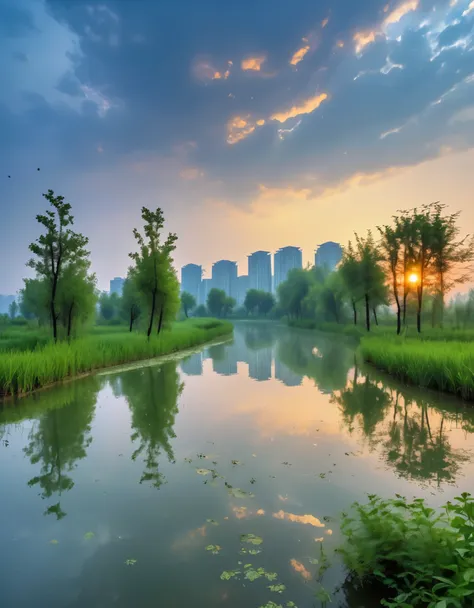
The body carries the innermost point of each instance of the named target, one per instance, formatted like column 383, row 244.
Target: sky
column 253, row 124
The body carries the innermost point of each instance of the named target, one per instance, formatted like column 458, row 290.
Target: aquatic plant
column 420, row 557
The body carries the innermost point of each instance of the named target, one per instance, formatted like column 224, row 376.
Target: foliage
column 258, row 301
column 34, row 300
column 57, row 250
column 201, row 311
column 188, row 302
column 13, row 309
column 155, row 277
column 109, row 305
column 421, row 557
column 216, row 302
column 130, row 304
column 21, row 372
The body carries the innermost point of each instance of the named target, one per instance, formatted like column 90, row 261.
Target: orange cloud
column 205, row 71
column 238, row 128
column 306, row 107
column 362, row 39
column 260, row 122
column 300, row 53
column 400, row 11
column 324, row 22
column 340, row 44
column 298, row 567
column 299, row 519
column 253, row 64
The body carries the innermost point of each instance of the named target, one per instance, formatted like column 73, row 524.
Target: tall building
column 191, row 278
column 242, row 288
column 224, row 276
column 260, row 271
column 116, row 285
column 328, row 255
column 284, row 260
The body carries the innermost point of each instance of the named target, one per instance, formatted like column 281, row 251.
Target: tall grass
column 21, row 372
column 446, row 366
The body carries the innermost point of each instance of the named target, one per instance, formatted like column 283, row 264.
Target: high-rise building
column 242, row 288
column 260, row 271
column 116, row 285
column 224, row 276
column 285, row 259
column 204, row 290
column 328, row 255
column 191, row 278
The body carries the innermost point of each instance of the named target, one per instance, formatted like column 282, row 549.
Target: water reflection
column 152, row 394
column 59, row 437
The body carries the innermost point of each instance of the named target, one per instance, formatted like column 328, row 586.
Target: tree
column 188, row 302
column 156, row 279
column 229, row 304
column 391, row 247
column 349, row 271
column 370, row 273
column 450, row 255
column 76, row 298
column 293, row 291
column 200, row 311
column 34, row 302
column 109, row 305
column 55, row 250
column 216, row 301
column 252, row 299
column 13, row 309
column 266, row 302
column 130, row 301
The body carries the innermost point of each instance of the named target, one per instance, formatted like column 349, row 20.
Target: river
column 133, row 488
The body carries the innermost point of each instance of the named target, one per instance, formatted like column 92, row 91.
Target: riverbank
column 26, row 371
column 438, row 359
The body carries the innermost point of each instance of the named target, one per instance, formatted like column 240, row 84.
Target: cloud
column 362, row 39
column 299, row 55
column 399, row 12
column 305, row 107
column 253, row 64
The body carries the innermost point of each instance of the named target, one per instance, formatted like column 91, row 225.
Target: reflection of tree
column 328, row 365
column 416, row 450
column 365, row 401
column 61, row 437
column 152, row 394
column 258, row 336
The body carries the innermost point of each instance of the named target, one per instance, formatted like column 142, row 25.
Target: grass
column 418, row 557
column 445, row 366
column 27, row 370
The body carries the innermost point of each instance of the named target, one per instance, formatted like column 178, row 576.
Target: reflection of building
column 242, row 288
column 192, row 366
column 328, row 255
column 205, row 288
column 286, row 259
column 260, row 364
column 191, row 277
column 285, row 375
column 224, row 367
column 116, row 285
column 224, row 276
column 260, row 271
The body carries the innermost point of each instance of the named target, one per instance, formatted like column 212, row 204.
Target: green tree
column 130, row 301
column 109, row 305
column 55, row 250
column 13, row 309
column 391, row 248
column 266, row 303
column 252, row 299
column 76, row 297
column 371, row 275
column 216, row 301
column 293, row 291
column 34, row 300
column 188, row 302
column 201, row 311
column 229, row 305
column 349, row 271
column 155, row 276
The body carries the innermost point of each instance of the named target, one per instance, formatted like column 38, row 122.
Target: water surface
column 113, row 486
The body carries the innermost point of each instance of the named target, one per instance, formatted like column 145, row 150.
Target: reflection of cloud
column 283, row 498
column 300, row 519
column 260, row 512
column 240, row 512
column 190, row 539
column 298, row 567
column 190, row 173
column 305, row 107
column 253, row 64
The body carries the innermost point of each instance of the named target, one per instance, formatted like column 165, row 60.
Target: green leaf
column 313, row 560
column 238, row 493
column 251, row 538
column 203, row 472
column 228, row 574
column 213, row 522
column 277, row 588
column 215, row 549
column 130, row 562
column 53, row 542
column 271, row 576
column 89, row 535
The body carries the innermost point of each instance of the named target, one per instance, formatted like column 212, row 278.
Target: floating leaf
column 188, row 460
column 214, row 549
column 203, row 471
column 238, row 493
column 291, row 604
column 271, row 576
column 201, row 455
column 213, row 522
column 251, row 538
column 313, row 560
column 287, row 464
column 253, row 480
column 254, row 551
column 130, row 562
column 277, row 588
column 228, row 574
column 89, row 535
column 53, row 542
column 252, row 574
column 236, row 462
column 322, row 475
column 272, row 605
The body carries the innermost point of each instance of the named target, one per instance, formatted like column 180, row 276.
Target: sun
column 413, row 278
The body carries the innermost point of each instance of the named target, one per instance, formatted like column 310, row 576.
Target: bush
column 420, row 557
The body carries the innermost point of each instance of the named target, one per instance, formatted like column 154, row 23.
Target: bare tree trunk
column 69, row 321
column 354, row 309
column 131, row 319
column 152, row 314
column 160, row 322
column 375, row 315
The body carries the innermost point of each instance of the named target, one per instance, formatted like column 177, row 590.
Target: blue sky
column 254, row 124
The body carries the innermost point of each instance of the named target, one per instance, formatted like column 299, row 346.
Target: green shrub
column 420, row 557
